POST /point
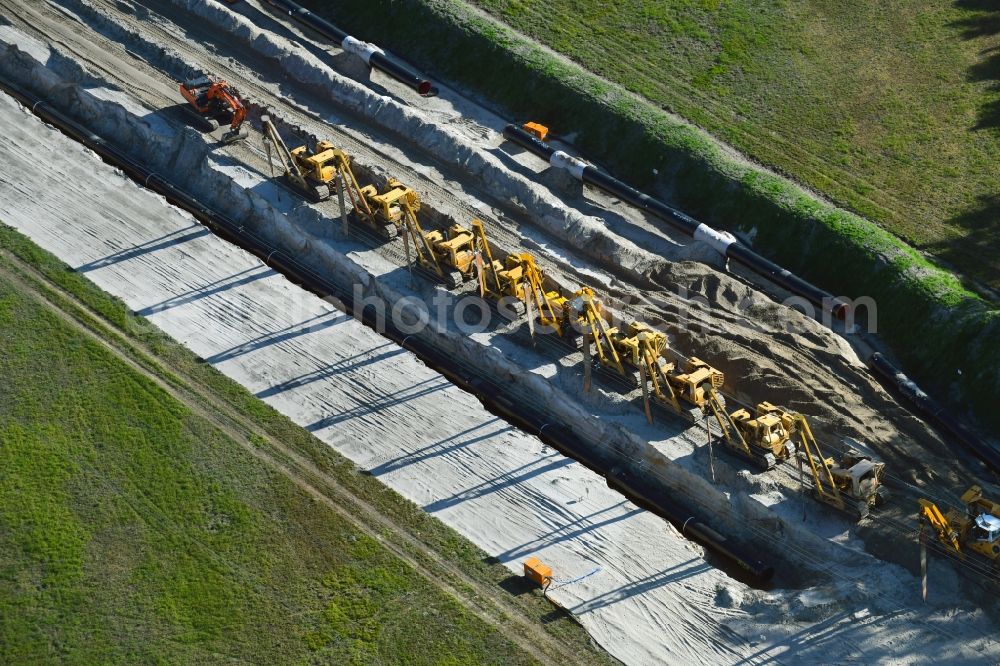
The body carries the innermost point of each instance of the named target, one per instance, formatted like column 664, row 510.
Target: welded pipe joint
column 566, row 161
column 718, row 240
column 363, row 50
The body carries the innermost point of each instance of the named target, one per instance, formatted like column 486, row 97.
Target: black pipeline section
column 677, row 220
column 522, row 414
column 651, row 496
column 374, row 56
column 934, row 411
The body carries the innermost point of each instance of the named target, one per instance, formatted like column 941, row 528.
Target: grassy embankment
column 908, row 136
column 134, row 530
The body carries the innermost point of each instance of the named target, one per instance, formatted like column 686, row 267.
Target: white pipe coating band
column 363, row 50
column 907, row 385
column 718, row 240
column 572, row 164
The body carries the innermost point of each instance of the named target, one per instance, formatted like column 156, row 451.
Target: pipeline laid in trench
column 732, row 248
column 733, row 558
column 933, row 410
column 372, row 55
column 724, row 243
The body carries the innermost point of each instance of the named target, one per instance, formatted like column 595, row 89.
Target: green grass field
column 134, row 531
column 131, row 530
column 891, row 108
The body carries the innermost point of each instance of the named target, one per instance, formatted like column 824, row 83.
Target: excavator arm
column 231, row 98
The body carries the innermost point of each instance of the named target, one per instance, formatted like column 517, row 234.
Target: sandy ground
column 501, row 488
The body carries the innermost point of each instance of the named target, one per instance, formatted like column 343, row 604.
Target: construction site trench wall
column 303, row 235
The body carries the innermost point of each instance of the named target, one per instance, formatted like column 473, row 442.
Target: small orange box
column 536, row 571
column 540, row 132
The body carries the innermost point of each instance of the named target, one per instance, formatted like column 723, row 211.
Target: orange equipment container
column 540, row 132
column 536, row 571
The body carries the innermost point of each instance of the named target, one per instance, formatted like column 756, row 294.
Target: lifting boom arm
column 271, row 137
column 598, row 329
column 826, row 487
column 425, row 254
column 734, row 437
column 488, row 267
column 929, row 513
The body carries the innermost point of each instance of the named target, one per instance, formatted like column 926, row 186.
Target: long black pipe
column 934, row 411
column 724, row 243
column 524, row 416
column 371, row 54
column 645, row 493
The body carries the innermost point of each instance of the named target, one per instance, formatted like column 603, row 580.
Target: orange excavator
column 214, row 102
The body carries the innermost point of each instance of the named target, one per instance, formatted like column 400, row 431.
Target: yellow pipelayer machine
column 690, row 388
column 977, row 530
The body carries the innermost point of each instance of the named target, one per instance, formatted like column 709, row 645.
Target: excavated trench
column 602, row 444
column 305, row 234
column 812, row 370
column 768, row 351
column 827, row 567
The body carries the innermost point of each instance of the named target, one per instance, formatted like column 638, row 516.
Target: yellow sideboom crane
column 454, row 250
column 696, row 386
column 302, row 171
column 766, row 435
column 398, row 206
column 467, row 253
column 977, row 530
column 642, row 347
column 315, row 174
column 589, row 312
column 524, row 280
column 853, row 485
